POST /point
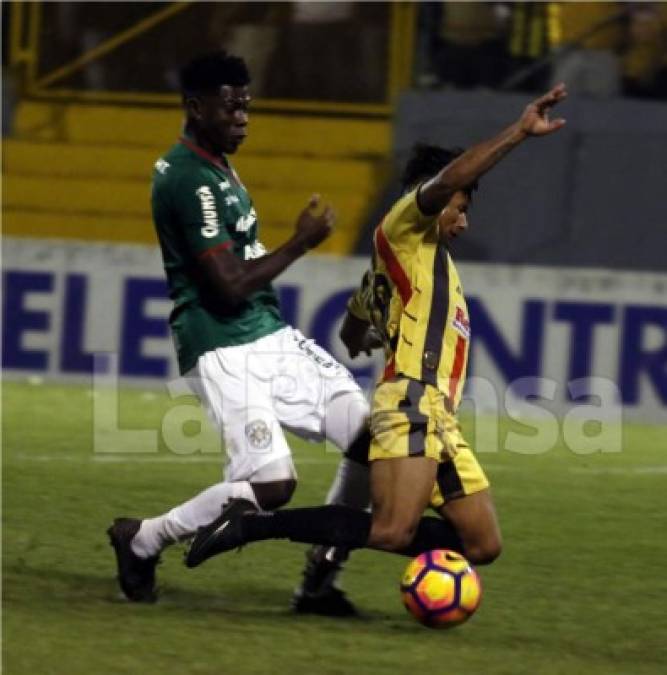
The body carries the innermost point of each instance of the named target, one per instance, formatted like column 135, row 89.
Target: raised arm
column 231, row 280
column 476, row 161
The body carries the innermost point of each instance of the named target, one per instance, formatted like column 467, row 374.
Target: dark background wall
column 595, row 194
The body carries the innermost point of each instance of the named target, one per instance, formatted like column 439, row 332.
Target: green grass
column 580, row 587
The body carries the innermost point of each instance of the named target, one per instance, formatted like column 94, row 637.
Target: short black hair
column 208, row 72
column 425, row 161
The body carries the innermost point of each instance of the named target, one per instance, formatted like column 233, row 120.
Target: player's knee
column 392, row 537
column 485, row 551
column 275, row 494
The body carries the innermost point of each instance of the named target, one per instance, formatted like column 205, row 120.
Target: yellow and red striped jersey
column 413, row 297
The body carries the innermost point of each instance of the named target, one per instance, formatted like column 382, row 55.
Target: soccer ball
column 440, row 589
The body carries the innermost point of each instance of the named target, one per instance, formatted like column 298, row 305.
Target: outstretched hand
column 313, row 228
column 535, row 118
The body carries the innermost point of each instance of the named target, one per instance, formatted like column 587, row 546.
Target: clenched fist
column 313, row 228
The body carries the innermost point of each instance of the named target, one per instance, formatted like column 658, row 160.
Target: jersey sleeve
column 405, row 219
column 199, row 208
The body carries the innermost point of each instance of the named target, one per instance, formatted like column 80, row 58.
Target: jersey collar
column 198, row 150
column 216, row 161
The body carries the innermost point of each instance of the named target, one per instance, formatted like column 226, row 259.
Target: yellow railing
column 25, row 43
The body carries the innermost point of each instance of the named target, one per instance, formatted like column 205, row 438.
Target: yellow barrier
column 83, row 172
column 159, row 127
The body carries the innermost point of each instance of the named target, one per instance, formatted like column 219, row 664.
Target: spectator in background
column 251, row 29
column 9, row 94
column 595, row 32
column 528, row 43
column 583, row 40
column 467, row 43
column 645, row 54
column 323, row 44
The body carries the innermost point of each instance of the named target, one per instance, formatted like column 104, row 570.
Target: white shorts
column 252, row 391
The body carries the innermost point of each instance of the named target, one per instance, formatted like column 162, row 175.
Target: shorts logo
column 210, row 215
column 304, row 345
column 461, row 323
column 258, row 434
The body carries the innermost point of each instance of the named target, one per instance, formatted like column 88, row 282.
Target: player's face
column 453, row 219
column 223, row 117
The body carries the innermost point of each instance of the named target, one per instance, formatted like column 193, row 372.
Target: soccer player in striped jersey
column 413, row 298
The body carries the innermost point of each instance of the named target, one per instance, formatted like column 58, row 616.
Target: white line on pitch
column 147, row 459
column 659, row 469
column 621, row 471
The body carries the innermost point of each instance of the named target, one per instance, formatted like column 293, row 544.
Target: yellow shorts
column 410, row 419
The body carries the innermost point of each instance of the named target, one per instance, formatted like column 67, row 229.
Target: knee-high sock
column 351, row 486
column 341, row 526
column 433, row 533
column 332, row 525
column 182, row 521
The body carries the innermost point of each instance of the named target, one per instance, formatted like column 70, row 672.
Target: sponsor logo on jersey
column 231, row 199
column 224, row 185
column 461, row 323
column 209, row 213
column 258, row 434
column 254, row 250
column 238, row 180
column 244, row 223
column 161, row 165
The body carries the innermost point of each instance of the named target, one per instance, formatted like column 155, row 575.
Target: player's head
column 215, row 95
column 426, row 161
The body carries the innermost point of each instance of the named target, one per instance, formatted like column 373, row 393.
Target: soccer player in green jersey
column 254, row 374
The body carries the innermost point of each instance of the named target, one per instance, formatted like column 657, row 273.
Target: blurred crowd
column 340, row 51
column 599, row 48
column 334, row 50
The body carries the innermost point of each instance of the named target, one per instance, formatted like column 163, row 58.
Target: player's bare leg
column 468, row 525
column 475, row 521
column 400, row 491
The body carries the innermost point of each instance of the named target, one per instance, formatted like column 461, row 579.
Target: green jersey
column 200, row 206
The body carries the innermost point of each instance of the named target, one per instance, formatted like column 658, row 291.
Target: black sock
column 332, row 525
column 433, row 533
column 336, row 525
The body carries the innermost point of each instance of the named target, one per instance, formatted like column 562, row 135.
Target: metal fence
column 330, row 57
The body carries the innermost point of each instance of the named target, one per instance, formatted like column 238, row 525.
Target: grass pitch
column 580, row 588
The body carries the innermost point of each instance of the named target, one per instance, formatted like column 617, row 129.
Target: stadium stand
column 97, row 160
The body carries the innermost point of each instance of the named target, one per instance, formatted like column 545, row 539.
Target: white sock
column 182, row 521
column 351, row 486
